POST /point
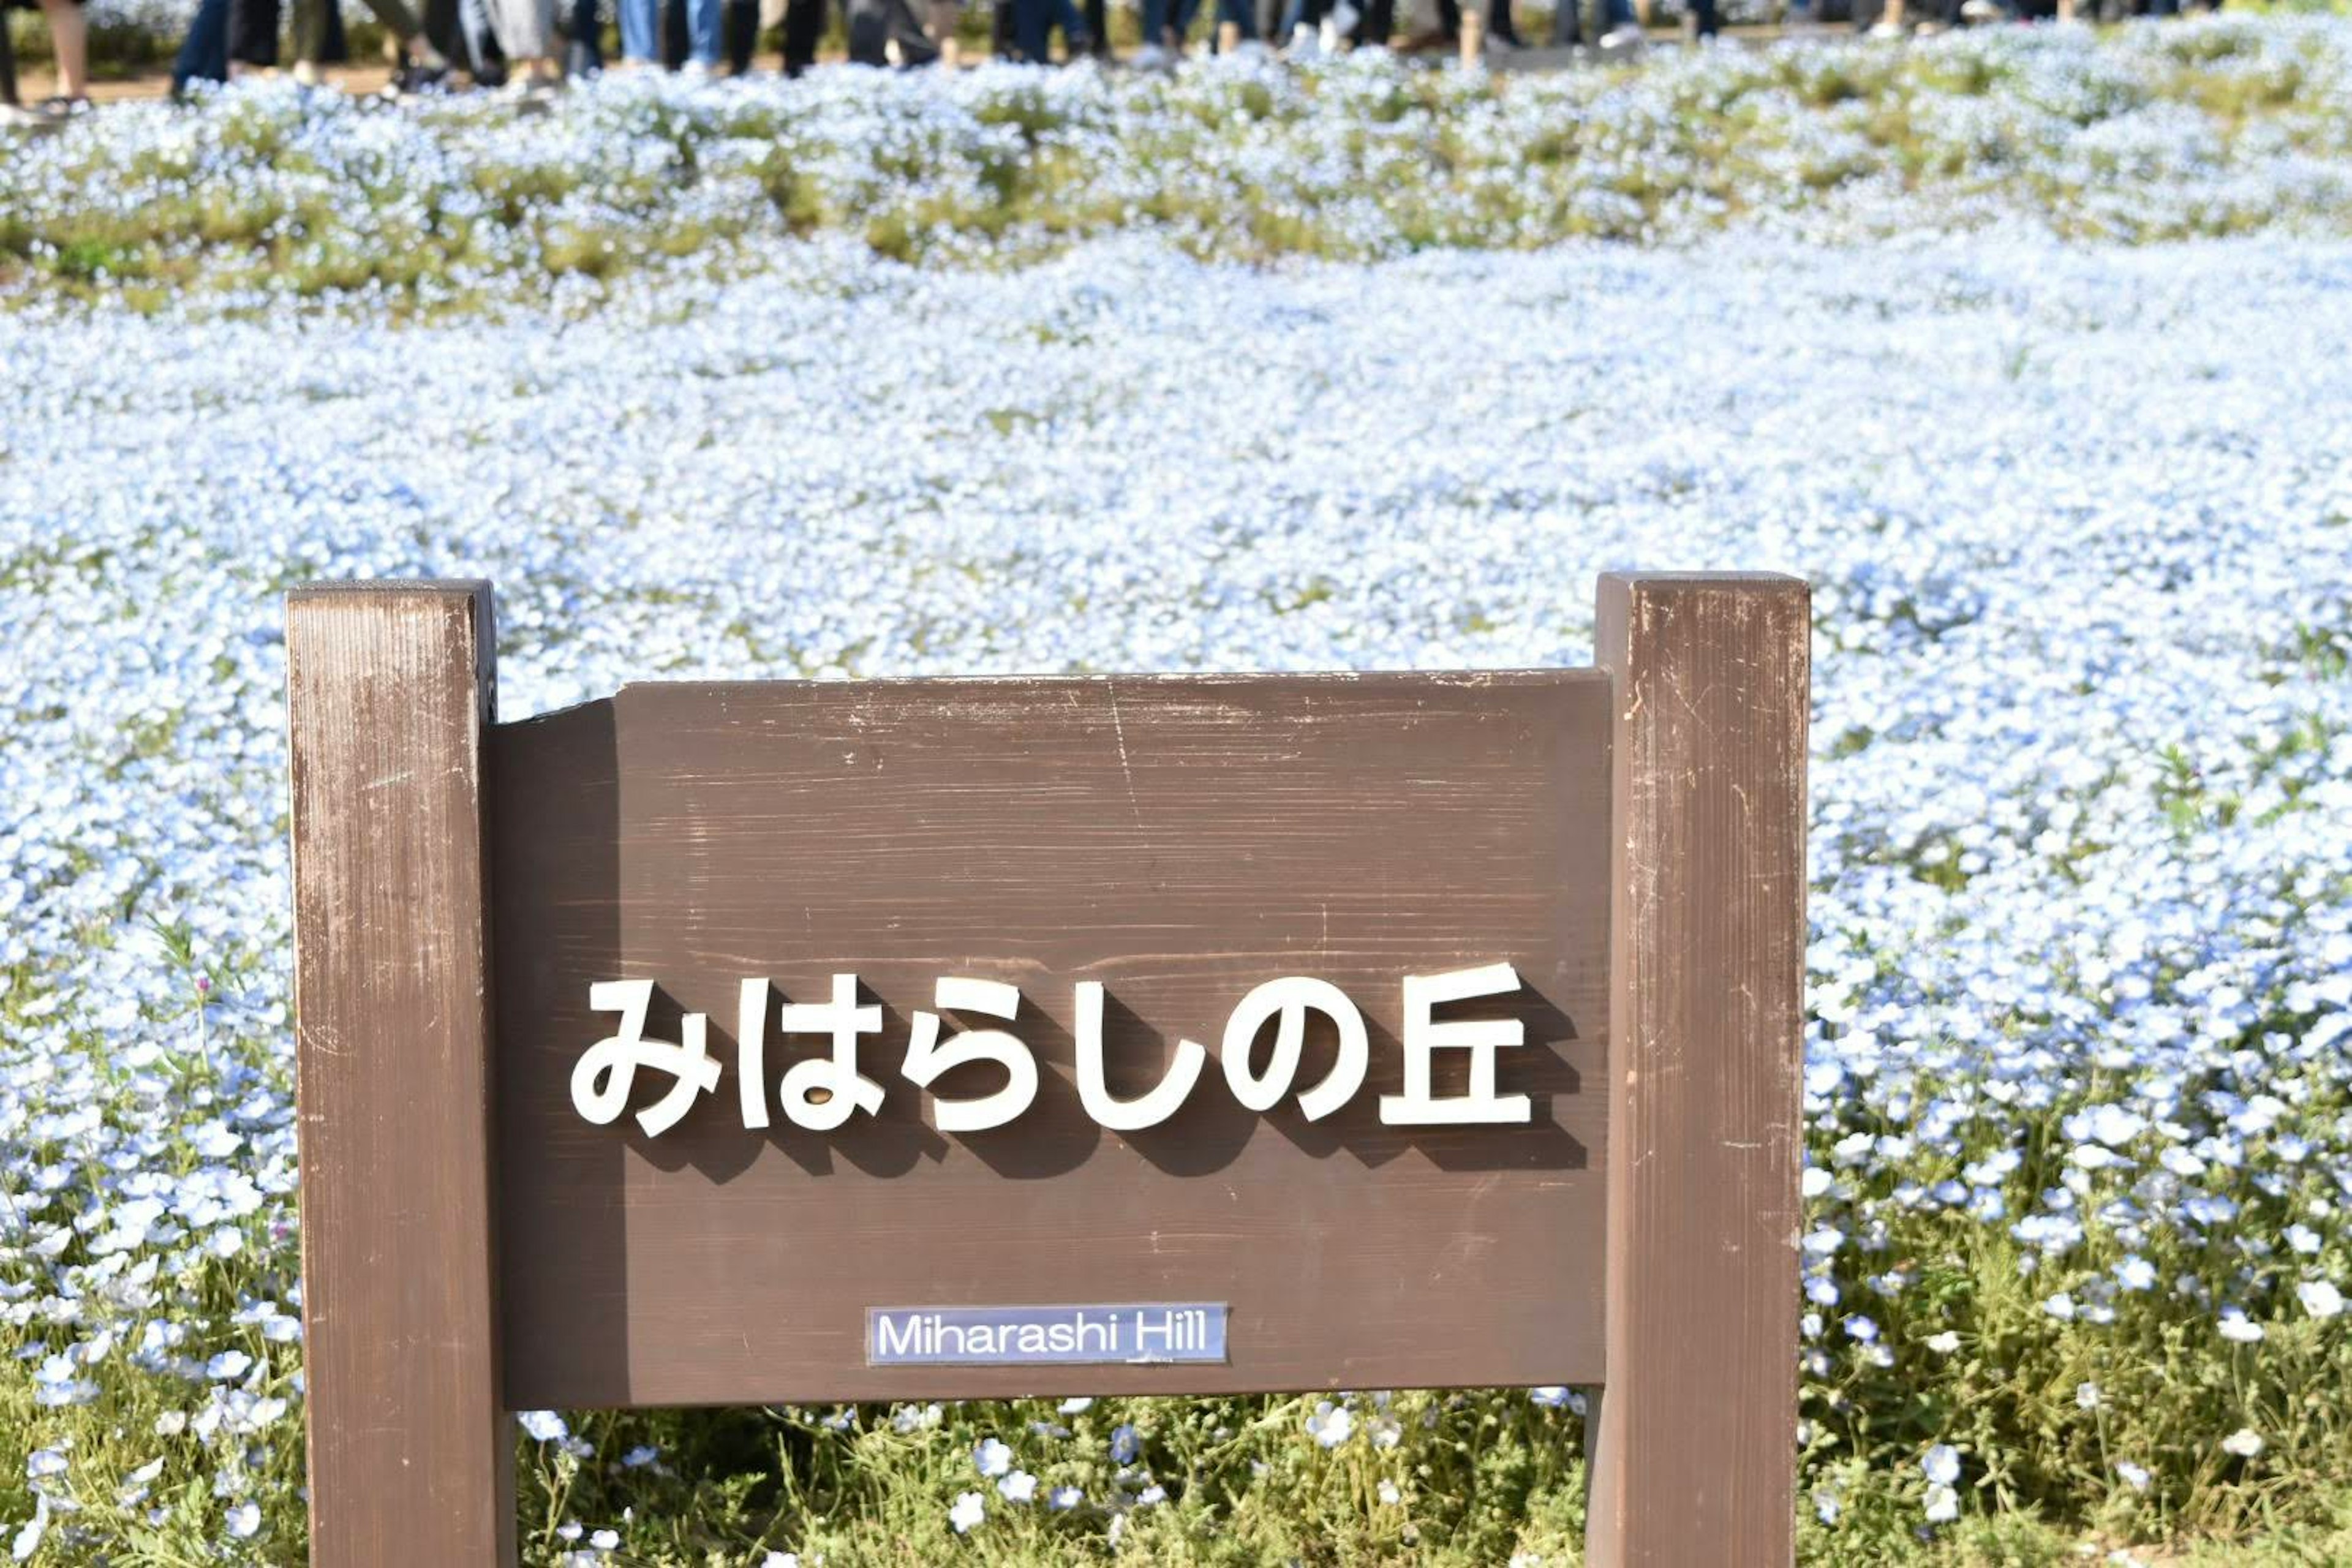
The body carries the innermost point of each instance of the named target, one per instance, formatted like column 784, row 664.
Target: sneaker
column 1151, row 58
column 1343, row 19
column 1888, row 29
column 1303, row 45
column 1625, row 40
column 412, row 79
column 1251, row 49
column 1981, row 11
column 57, row 109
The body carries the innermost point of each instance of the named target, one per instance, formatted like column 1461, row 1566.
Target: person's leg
column 1155, row 26
column 587, row 51
column 704, row 28
column 69, row 42
column 1097, row 29
column 1033, row 30
column 252, row 34
column 525, row 29
column 1702, row 14
column 640, row 30
column 740, row 23
column 1500, row 27
column 804, row 26
column 204, row 53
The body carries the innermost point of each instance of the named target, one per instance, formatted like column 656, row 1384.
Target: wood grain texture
column 1178, row 839
column 388, row 689
column 1693, row 1444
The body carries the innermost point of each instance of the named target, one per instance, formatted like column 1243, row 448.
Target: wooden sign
column 812, row 1042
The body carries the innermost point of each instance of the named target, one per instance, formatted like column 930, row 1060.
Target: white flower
column 545, row 1426
column 244, row 1521
column 28, row 1537
column 2238, row 1327
column 1330, row 1425
column 2319, row 1298
column 2060, row 1306
column 968, row 1511
column 1389, row 1494
column 781, row 1559
column 2087, row 1396
column 1061, row 1500
column 1074, row 1407
column 1942, row 1464
column 1018, row 1487
column 2135, row 1475
column 992, row 1457
column 2245, row 1442
column 1944, row 1343
column 1943, row 1505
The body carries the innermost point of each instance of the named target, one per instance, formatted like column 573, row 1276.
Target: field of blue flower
column 1258, row 370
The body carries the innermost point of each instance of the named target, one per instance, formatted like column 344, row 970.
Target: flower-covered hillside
column 2079, row 1082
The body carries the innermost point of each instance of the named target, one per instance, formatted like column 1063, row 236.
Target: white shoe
column 1303, row 46
column 307, row 74
column 1624, row 40
column 1151, row 57
column 1888, row 30
column 1250, row 49
column 1343, row 20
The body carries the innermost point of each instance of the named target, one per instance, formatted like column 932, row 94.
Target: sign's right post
column 1693, row 1437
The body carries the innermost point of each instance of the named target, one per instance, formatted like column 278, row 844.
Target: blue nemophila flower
column 992, row 1457
column 545, row 1426
column 1125, row 1443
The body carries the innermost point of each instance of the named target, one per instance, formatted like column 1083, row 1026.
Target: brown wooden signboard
column 793, row 1042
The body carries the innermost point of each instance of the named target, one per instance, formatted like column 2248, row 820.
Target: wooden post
column 389, row 690
column 1693, row 1439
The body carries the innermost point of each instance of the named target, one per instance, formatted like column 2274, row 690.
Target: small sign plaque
column 1156, row 1331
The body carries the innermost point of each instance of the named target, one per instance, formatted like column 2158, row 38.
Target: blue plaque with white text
column 1144, row 1334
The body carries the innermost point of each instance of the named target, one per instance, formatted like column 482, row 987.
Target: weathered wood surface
column 1693, row 1444
column 389, row 697
column 1179, row 840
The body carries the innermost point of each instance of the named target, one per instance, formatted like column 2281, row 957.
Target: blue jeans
column 204, row 53
column 1034, row 22
column 641, row 30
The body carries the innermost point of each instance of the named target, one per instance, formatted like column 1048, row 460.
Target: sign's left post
column 390, row 695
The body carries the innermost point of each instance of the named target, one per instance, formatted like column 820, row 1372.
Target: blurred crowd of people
column 529, row 47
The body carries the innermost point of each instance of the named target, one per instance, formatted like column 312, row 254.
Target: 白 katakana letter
column 837, row 1076
column 606, row 1070
column 1290, row 998
column 1482, row 1038
column 927, row 1058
